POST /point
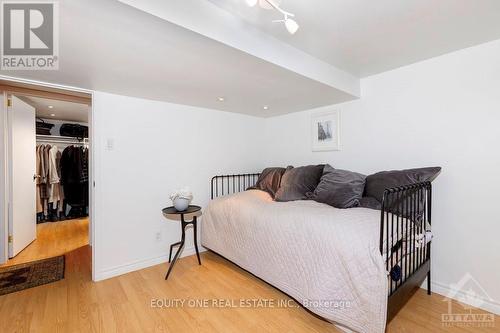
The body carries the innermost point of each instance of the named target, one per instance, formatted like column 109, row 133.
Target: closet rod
column 64, row 142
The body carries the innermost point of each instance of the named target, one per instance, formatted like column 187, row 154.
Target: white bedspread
column 320, row 255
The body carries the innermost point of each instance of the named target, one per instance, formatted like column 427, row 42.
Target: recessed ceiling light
column 220, row 99
column 265, row 107
column 51, row 106
column 52, row 114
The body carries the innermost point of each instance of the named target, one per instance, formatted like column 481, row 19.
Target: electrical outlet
column 158, row 236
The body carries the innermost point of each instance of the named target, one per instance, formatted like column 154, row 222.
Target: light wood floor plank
column 54, row 239
column 123, row 304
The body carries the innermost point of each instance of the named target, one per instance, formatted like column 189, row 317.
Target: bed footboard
column 405, row 241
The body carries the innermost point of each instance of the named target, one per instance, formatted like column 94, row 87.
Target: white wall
column 157, row 148
column 441, row 112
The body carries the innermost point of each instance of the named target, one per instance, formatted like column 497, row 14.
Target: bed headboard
column 229, row 184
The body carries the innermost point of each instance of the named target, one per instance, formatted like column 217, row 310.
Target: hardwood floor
column 123, row 304
column 53, row 239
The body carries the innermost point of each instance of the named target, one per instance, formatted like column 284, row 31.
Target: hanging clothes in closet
column 62, row 182
column 74, row 177
column 49, row 193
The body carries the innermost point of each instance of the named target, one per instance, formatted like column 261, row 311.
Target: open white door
column 4, row 191
column 22, row 169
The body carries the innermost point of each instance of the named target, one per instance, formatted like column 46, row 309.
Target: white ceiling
column 61, row 110
column 366, row 37
column 194, row 51
column 109, row 46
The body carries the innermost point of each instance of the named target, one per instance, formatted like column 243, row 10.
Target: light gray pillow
column 339, row 188
column 296, row 182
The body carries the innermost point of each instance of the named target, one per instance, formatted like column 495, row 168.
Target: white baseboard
column 489, row 305
column 139, row 264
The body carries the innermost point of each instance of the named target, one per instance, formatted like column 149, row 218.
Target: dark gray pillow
column 296, row 182
column 370, row 202
column 269, row 180
column 377, row 183
column 339, row 188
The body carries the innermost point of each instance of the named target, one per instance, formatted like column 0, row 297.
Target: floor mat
column 31, row 274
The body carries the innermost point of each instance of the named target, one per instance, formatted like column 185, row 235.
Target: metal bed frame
column 229, row 184
column 406, row 211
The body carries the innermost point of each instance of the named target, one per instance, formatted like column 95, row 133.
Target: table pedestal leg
column 181, row 245
column 196, row 240
column 170, row 253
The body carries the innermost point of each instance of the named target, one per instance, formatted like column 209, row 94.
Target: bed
column 354, row 267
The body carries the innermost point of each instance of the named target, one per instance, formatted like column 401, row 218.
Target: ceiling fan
column 291, row 25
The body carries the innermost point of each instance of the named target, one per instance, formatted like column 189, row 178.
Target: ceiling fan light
column 291, row 26
column 252, row 3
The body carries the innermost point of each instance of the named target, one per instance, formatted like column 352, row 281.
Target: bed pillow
column 378, row 182
column 370, row 202
column 296, row 182
column 269, row 180
column 339, row 188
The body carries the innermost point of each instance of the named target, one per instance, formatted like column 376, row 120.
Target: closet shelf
column 61, row 139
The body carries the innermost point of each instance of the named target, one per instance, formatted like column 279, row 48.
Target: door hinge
column 10, row 238
column 9, row 102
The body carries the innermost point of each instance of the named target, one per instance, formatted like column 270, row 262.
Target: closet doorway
column 47, row 173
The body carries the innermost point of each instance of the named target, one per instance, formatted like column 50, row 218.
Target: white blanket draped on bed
column 321, row 256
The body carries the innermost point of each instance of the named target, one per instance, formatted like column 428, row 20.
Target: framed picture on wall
column 325, row 131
